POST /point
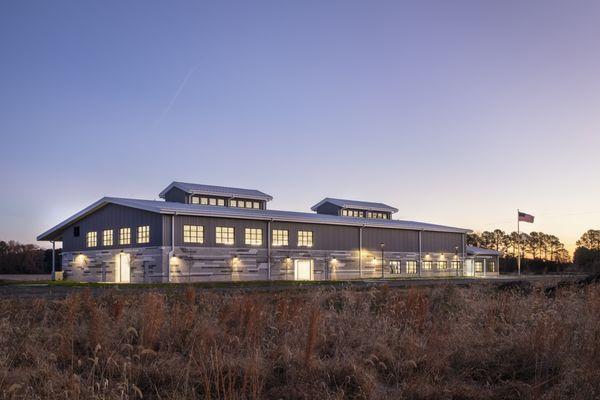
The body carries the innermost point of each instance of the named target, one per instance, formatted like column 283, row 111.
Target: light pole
column 382, row 246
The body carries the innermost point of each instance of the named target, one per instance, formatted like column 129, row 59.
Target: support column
column 360, row 245
column 498, row 265
column 53, row 274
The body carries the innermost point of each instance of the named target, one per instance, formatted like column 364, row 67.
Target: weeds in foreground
column 446, row 342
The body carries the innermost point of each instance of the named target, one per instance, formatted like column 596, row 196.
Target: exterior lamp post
column 382, row 246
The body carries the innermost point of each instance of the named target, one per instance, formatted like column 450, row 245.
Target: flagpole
column 519, row 235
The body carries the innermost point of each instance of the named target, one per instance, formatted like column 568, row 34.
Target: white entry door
column 303, row 270
column 123, row 270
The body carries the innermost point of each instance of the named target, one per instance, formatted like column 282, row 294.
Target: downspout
column 269, row 248
column 172, row 252
column 464, row 254
column 360, row 246
column 420, row 253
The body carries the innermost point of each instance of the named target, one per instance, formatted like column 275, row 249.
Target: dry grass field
column 423, row 343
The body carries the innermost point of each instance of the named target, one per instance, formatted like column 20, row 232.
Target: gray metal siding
column 177, row 195
column 113, row 217
column 436, row 242
column 325, row 237
column 328, row 208
column 394, row 239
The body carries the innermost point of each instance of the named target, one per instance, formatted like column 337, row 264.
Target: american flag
column 526, row 217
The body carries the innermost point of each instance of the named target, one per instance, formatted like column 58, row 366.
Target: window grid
column 478, row 266
column 395, row 267
column 143, row 234
column 491, row 266
column 280, row 237
column 455, row 264
column 411, row 267
column 224, row 235
column 193, row 234
column 441, row 265
column 253, row 236
column 427, row 265
column 353, row 213
column 305, row 238
column 92, row 239
column 107, row 237
column 125, row 236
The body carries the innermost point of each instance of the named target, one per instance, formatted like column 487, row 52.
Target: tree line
column 587, row 254
column 17, row 258
column 534, row 245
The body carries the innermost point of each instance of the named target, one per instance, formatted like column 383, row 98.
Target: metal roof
column 478, row 251
column 166, row 207
column 361, row 205
column 196, row 188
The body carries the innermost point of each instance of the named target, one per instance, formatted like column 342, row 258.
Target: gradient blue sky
column 455, row 112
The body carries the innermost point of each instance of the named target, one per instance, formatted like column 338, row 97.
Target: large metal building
column 214, row 233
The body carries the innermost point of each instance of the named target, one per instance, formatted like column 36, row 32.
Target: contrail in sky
column 179, row 90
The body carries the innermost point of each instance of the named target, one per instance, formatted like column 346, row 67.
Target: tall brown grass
column 442, row 343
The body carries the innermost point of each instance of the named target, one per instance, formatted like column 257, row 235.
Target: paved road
column 36, row 290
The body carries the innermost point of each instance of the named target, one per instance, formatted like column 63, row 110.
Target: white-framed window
column 248, row 204
column 353, row 213
column 221, row 202
column 491, row 266
column 204, row 201
column 232, row 203
column 91, row 239
column 478, row 266
column 212, row 201
column 107, row 237
column 125, row 236
column 305, row 238
column 143, row 234
column 224, row 235
column 193, row 234
column 441, row 265
column 455, row 264
column 195, row 200
column 378, row 215
column 280, row 237
column 411, row 267
column 253, row 236
column 427, row 265
column 394, row 266
column 255, row 204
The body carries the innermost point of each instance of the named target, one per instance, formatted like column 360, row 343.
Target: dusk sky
column 455, row 112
